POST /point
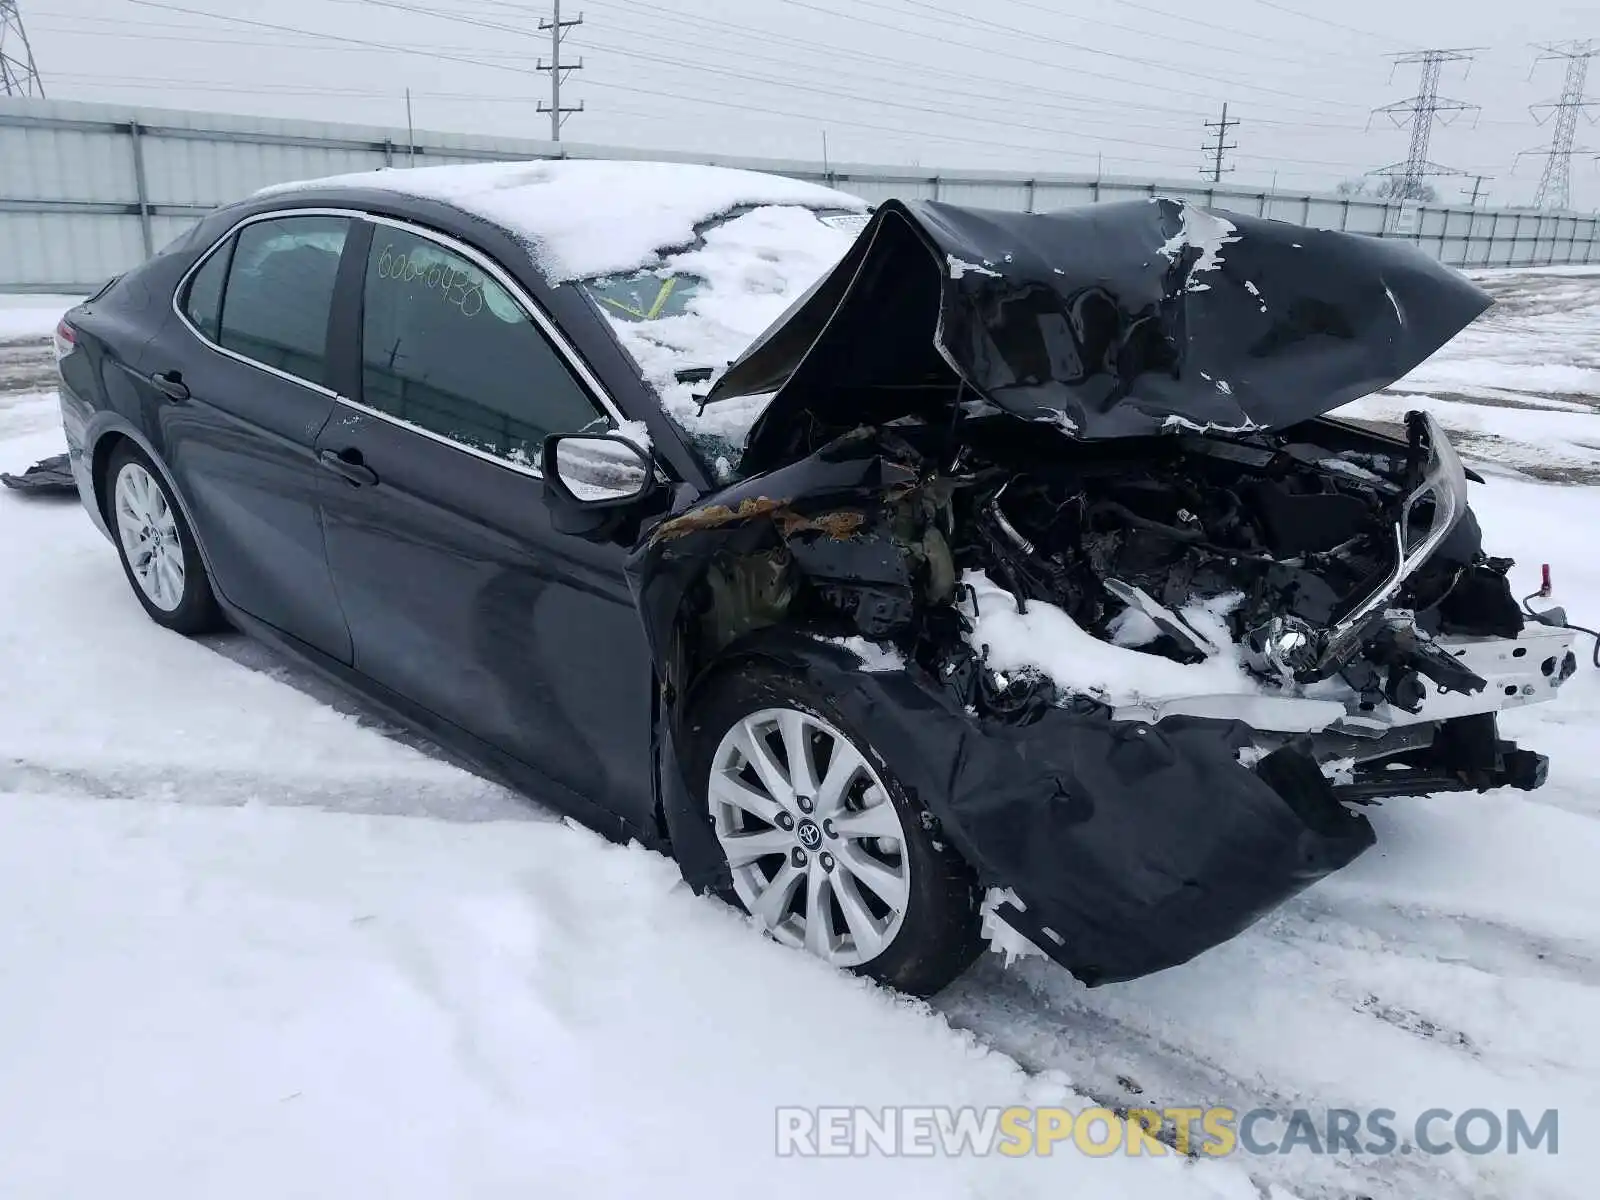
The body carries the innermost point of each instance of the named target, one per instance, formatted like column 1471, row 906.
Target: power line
column 1555, row 185
column 1187, row 41
column 699, row 95
column 1420, row 112
column 558, row 70
column 689, row 98
column 939, row 110
column 1033, row 37
column 1187, row 19
column 1222, row 127
column 942, row 87
column 1305, row 16
column 1079, row 106
column 875, row 101
column 941, row 90
column 19, row 74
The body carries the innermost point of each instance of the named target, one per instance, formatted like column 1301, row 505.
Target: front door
column 459, row 594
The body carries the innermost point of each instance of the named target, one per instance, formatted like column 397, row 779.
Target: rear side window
column 446, row 348
column 203, row 303
column 279, row 293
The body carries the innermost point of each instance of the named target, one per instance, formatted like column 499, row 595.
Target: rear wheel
column 157, row 547
column 824, row 846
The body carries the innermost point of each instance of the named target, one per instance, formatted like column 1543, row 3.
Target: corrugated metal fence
column 88, row 190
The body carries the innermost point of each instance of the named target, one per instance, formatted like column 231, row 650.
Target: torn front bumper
column 1132, row 847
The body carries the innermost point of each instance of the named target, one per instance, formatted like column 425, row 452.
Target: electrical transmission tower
column 1214, row 149
column 18, row 74
column 1477, row 189
column 1420, row 112
column 558, row 70
column 1555, row 185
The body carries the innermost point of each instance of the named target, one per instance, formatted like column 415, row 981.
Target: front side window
column 446, row 348
column 280, row 291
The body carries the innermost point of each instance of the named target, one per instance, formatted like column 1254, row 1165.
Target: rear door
column 241, row 381
column 459, row 594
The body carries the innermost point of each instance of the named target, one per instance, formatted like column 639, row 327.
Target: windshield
column 687, row 316
column 644, row 296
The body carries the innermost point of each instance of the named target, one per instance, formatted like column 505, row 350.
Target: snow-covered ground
column 29, row 316
column 251, row 943
column 1520, row 387
column 25, row 326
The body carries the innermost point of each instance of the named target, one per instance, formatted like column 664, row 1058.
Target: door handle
column 172, row 384
column 347, row 463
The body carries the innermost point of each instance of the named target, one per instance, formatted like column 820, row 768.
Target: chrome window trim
column 400, row 422
column 597, row 393
column 194, row 269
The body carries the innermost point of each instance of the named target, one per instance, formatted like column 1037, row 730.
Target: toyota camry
column 912, row 574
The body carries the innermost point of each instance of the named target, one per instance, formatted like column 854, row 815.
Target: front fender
column 1133, row 847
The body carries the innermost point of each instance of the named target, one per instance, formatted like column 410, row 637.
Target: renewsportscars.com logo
column 1215, row 1132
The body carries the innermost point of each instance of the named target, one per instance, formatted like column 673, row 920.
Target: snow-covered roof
column 587, row 217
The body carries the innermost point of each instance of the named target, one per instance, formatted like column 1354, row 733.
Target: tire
column 899, row 905
column 158, row 551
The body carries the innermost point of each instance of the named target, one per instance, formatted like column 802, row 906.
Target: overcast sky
column 1043, row 85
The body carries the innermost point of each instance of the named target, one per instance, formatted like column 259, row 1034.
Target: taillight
column 66, row 339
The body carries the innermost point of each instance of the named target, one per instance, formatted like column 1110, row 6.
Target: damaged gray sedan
column 1014, row 576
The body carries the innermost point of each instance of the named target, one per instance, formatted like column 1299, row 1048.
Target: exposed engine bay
column 1304, row 544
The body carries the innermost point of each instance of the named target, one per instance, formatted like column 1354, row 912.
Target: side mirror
column 591, row 478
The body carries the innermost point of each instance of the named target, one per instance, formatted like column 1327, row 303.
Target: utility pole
column 1419, row 112
column 1215, row 150
column 411, row 131
column 1555, row 185
column 19, row 76
column 558, row 33
column 1477, row 189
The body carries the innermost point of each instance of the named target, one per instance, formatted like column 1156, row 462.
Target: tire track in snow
column 1456, row 939
column 1048, row 1022
column 438, row 794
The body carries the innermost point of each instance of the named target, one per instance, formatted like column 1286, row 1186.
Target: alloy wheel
column 812, row 837
column 148, row 531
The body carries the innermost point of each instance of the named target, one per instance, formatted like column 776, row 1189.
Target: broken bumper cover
column 51, row 476
column 1133, row 847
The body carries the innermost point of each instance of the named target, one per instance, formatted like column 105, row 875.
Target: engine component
column 1194, row 645
column 1284, row 647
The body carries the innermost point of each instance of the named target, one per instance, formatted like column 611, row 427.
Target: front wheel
column 824, row 846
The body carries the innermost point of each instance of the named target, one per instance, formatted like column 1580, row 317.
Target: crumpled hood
column 1113, row 320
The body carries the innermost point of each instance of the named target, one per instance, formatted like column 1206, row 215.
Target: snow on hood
column 588, row 217
column 1205, row 234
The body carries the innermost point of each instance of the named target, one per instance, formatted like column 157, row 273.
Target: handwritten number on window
column 455, row 285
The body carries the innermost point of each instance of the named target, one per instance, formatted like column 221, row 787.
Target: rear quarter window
column 202, row 300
